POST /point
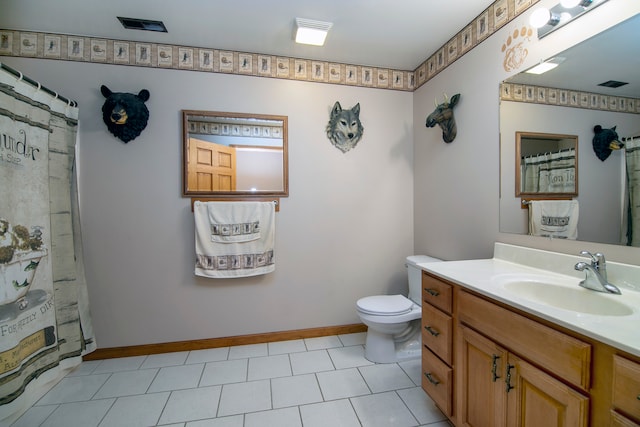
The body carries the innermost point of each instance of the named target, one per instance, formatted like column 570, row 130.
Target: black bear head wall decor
column 604, row 141
column 125, row 114
column 443, row 116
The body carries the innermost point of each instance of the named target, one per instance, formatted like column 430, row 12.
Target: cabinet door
column 535, row 399
column 481, row 386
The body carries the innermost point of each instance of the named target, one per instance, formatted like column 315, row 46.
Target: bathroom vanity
column 514, row 341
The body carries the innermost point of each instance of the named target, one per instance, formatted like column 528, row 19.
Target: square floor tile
column 127, row 383
column 84, row 368
column 353, row 339
column 341, row 384
column 232, row 421
column 288, row 417
column 336, row 413
column 348, row 357
column 246, row 351
column 385, row 377
column 165, row 359
column 413, row 369
column 421, row 405
column 282, row 347
column 383, row 410
column 34, row 416
column 298, row 390
column 136, row 411
column 261, row 368
column 85, row 414
column 245, row 397
column 311, row 361
column 319, row 343
column 208, row 355
column 74, row 389
column 193, row 404
column 119, row 364
column 176, row 378
column 225, row 372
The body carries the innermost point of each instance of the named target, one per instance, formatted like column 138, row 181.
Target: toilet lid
column 385, row 305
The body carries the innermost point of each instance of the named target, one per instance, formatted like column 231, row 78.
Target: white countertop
column 484, row 277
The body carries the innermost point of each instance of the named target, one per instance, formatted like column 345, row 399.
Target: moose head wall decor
column 443, row 116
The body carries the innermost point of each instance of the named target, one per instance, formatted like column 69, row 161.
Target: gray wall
column 456, row 185
column 342, row 234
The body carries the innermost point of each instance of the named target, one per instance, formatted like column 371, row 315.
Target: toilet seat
column 385, row 305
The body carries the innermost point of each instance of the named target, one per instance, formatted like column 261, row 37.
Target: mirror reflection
column 546, row 164
column 571, row 100
column 234, row 154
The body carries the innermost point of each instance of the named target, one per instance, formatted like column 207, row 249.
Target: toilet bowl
column 393, row 321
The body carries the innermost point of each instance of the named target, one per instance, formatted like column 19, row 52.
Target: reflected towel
column 554, row 218
column 222, row 258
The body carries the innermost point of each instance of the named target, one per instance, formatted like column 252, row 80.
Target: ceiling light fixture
column 308, row 31
column 547, row 20
column 547, row 65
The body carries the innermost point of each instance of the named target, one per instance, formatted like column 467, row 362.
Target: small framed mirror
column 234, row 154
column 546, row 165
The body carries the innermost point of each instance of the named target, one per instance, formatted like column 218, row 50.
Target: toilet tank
column 415, row 275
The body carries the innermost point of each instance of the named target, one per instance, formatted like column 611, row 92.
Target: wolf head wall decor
column 443, row 116
column 125, row 114
column 605, row 141
column 344, row 129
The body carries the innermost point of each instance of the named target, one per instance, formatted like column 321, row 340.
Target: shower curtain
column 549, row 172
column 632, row 155
column 45, row 325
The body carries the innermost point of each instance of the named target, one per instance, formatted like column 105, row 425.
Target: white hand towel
column 220, row 258
column 554, row 218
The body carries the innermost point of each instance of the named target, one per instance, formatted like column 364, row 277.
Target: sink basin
column 569, row 297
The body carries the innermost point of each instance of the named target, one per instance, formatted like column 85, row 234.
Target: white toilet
column 393, row 321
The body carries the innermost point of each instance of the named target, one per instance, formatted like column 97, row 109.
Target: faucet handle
column 594, row 258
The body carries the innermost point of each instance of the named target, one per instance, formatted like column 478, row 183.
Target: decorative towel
column 234, row 239
column 554, row 218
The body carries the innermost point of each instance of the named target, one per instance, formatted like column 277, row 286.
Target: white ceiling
column 398, row 34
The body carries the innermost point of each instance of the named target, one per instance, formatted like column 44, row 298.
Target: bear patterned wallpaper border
column 568, row 98
column 143, row 54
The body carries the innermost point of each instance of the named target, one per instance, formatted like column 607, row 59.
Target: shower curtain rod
column 34, row 83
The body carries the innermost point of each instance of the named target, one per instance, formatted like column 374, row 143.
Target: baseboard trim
column 140, row 350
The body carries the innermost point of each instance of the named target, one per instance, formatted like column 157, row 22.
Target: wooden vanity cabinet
column 437, row 341
column 625, row 392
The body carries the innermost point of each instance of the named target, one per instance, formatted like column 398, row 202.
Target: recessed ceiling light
column 311, row 32
column 545, row 66
column 142, row 24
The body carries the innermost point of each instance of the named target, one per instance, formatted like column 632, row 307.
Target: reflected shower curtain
column 549, row 172
column 632, row 155
column 45, row 324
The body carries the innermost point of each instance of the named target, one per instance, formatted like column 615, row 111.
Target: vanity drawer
column 437, row 332
column 618, row 420
column 567, row 357
column 626, row 386
column 437, row 381
column 437, row 293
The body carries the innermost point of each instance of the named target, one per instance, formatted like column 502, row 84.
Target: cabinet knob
column 432, row 292
column 432, row 331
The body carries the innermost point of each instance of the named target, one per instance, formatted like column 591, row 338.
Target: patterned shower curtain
column 549, row 172
column 632, row 155
column 45, row 326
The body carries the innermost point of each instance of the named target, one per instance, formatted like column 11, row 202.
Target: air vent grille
column 613, row 84
column 142, row 24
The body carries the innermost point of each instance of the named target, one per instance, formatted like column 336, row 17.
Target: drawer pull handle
column 494, row 368
column 432, row 331
column 508, row 379
column 431, row 379
column 432, row 292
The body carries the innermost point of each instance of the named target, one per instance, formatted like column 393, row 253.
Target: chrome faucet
column 596, row 274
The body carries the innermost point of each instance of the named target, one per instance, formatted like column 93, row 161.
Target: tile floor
column 316, row 382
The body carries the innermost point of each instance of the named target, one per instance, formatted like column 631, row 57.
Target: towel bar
column 275, row 200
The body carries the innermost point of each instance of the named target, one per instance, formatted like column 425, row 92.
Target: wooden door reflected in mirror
column 234, row 154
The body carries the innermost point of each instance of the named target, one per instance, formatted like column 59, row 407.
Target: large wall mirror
column 546, row 164
column 574, row 102
column 234, row 154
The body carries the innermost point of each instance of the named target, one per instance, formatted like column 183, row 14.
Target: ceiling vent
column 613, row 84
column 142, row 24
